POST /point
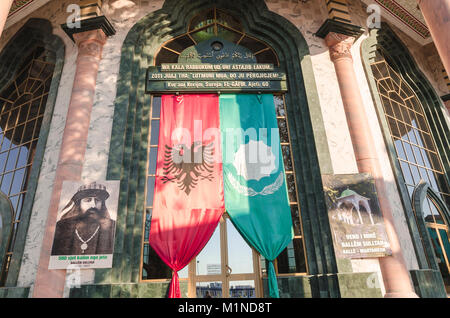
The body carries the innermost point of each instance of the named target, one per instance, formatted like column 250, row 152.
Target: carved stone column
column 5, row 7
column 437, row 17
column 50, row 283
column 395, row 274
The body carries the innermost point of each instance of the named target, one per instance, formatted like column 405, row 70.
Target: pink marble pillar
column 5, row 7
column 395, row 274
column 437, row 16
column 50, row 283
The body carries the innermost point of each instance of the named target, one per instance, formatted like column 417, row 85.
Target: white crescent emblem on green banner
column 254, row 160
column 249, row 192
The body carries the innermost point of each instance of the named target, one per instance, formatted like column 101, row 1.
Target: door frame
column 225, row 277
column 437, row 227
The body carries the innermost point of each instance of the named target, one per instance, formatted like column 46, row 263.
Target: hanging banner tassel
column 174, row 291
column 272, row 280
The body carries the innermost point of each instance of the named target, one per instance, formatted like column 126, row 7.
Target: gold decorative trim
column 18, row 5
column 404, row 16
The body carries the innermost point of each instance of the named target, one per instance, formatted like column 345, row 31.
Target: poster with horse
column 356, row 221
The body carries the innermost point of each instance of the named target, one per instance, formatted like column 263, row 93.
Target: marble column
column 437, row 16
column 50, row 283
column 393, row 268
column 5, row 7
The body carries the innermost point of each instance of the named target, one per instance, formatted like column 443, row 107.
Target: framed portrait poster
column 86, row 225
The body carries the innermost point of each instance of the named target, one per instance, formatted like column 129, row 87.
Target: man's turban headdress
column 91, row 190
column 88, row 190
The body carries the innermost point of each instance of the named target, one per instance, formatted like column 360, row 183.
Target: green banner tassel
column 273, row 284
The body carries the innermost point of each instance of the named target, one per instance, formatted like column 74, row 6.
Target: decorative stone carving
column 340, row 45
column 90, row 42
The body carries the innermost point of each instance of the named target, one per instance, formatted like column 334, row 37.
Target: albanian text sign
column 215, row 77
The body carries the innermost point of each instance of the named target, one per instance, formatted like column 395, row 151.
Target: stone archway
column 128, row 152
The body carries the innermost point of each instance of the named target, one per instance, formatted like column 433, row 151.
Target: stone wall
column 123, row 14
column 308, row 17
column 142, row 290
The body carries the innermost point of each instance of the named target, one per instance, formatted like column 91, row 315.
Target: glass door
column 439, row 234
column 227, row 267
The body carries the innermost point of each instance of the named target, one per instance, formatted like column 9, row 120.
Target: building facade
column 363, row 91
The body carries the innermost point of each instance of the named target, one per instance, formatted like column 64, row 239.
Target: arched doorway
column 130, row 148
column 216, row 37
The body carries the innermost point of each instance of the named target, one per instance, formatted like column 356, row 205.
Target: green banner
column 254, row 180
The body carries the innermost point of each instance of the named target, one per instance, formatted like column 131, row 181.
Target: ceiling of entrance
column 406, row 15
column 403, row 13
column 411, row 7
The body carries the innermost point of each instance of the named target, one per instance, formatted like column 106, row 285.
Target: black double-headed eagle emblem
column 188, row 165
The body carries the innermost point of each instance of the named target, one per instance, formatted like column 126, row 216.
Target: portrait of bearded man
column 85, row 226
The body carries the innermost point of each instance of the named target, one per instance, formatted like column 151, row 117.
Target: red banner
column 189, row 196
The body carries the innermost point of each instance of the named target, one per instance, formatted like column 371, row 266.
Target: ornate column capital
column 340, row 45
column 90, row 42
